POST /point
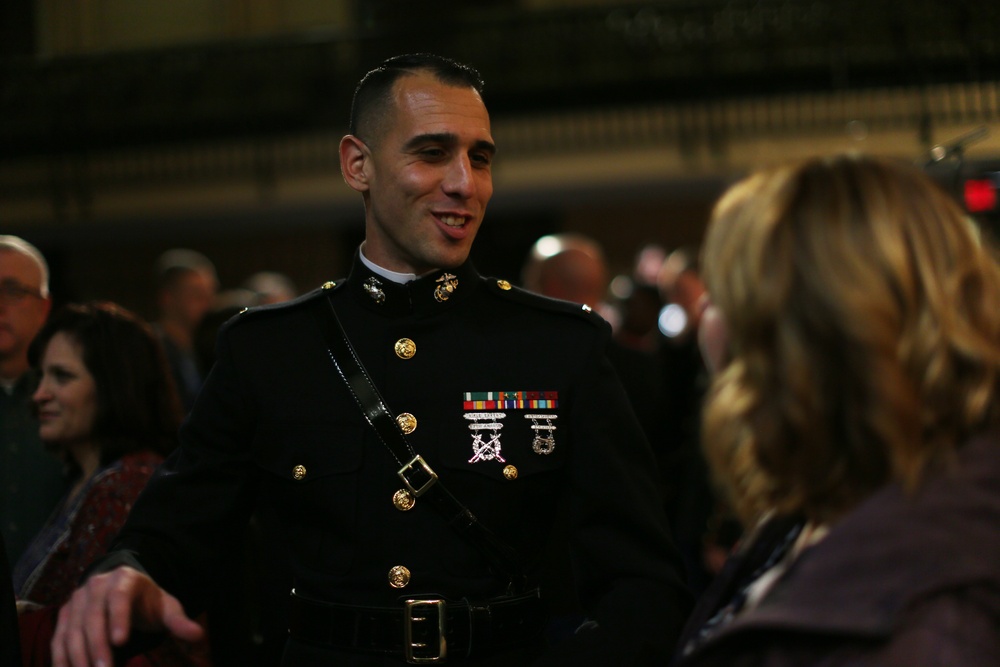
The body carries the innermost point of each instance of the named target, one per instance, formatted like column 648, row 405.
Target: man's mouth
column 453, row 220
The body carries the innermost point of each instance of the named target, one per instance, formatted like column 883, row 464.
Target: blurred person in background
column 271, row 287
column 855, row 419
column 572, row 267
column 186, row 289
column 699, row 519
column 32, row 482
column 639, row 303
column 108, row 409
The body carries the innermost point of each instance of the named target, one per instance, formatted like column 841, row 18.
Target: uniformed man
column 503, row 398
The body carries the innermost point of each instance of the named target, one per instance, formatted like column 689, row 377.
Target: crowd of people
column 94, row 397
column 420, row 464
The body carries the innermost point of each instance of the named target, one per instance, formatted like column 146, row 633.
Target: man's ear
column 355, row 162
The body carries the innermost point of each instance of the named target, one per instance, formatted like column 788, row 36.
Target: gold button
column 407, row 423
column 405, row 348
column 299, row 472
column 510, row 472
column 399, row 577
column 587, row 308
column 503, row 284
column 329, row 284
column 403, row 500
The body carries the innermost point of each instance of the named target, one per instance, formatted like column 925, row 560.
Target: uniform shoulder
column 506, row 291
column 302, row 301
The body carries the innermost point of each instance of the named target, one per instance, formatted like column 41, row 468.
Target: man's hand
column 103, row 611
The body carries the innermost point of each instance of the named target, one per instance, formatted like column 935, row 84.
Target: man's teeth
column 452, row 220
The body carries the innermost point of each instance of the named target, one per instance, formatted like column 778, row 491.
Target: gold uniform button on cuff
column 403, row 500
column 299, row 472
column 405, row 348
column 510, row 472
column 399, row 577
column 329, row 284
column 407, row 423
column 503, row 284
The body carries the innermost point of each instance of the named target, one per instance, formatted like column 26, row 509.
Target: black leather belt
column 421, row 630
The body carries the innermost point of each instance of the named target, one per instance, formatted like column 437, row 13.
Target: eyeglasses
column 14, row 292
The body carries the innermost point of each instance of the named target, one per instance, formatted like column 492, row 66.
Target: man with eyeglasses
column 32, row 481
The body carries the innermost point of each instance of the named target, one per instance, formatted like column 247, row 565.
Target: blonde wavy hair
column 863, row 314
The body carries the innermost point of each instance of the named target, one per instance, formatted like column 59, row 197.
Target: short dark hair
column 373, row 95
column 137, row 403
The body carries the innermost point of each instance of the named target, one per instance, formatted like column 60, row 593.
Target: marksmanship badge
column 545, row 434
column 485, row 450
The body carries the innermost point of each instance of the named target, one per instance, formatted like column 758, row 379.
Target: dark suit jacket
column 276, row 425
column 10, row 643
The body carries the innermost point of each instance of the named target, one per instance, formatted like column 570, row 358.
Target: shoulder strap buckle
column 415, row 468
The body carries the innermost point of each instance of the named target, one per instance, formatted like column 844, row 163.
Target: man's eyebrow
column 446, row 138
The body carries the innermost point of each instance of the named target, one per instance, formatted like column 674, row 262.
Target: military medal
column 485, row 450
column 545, row 441
column 479, row 406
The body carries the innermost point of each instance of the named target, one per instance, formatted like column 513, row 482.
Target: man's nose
column 460, row 180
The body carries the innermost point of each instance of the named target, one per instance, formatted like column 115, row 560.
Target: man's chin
column 8, row 346
column 455, row 258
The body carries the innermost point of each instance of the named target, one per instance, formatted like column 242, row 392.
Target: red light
column 980, row 195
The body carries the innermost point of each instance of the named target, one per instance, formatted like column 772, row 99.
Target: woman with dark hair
column 108, row 408
column 855, row 420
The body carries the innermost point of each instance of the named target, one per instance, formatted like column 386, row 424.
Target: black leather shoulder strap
column 418, row 477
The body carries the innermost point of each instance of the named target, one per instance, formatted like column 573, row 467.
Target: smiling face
column 426, row 178
column 67, row 395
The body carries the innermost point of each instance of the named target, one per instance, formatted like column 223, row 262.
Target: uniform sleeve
column 628, row 570
column 199, row 501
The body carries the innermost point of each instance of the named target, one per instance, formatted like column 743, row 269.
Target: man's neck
column 178, row 334
column 11, row 369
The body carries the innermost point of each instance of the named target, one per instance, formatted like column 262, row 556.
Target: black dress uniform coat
column 275, row 427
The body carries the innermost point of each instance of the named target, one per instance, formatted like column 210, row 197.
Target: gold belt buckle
column 409, row 467
column 409, row 618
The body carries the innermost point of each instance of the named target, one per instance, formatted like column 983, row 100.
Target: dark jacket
column 10, row 646
column 276, row 427
column 903, row 580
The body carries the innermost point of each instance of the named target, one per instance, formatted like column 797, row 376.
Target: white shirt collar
column 401, row 278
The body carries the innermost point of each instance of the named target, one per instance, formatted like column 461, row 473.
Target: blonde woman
column 855, row 333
